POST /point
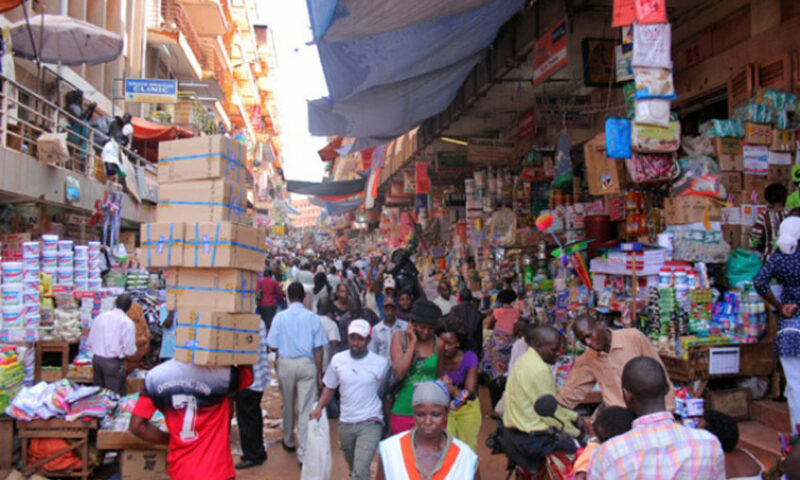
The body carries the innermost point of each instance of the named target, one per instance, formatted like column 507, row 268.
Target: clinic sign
column 151, row 90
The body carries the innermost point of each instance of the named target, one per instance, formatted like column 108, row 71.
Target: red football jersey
column 199, row 444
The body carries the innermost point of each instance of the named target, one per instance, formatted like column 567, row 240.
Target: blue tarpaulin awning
column 391, row 64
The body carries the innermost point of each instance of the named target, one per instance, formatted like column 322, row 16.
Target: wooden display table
column 7, row 442
column 51, row 347
column 755, row 360
column 75, row 432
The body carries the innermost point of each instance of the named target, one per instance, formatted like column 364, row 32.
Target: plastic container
column 95, row 284
column 12, row 272
column 32, row 321
column 12, row 294
column 30, row 262
column 65, row 246
column 65, row 260
column 64, row 276
column 665, row 277
column 49, row 243
column 49, row 260
column 12, row 316
column 94, row 274
column 81, row 275
column 82, row 286
column 681, row 279
column 81, row 252
column 30, row 249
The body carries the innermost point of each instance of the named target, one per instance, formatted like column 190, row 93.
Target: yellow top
column 530, row 378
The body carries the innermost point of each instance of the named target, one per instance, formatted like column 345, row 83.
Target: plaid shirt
column 261, row 367
column 659, row 448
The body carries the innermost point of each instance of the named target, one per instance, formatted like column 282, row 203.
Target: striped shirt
column 659, row 448
column 261, row 367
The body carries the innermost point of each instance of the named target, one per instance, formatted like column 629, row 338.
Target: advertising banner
column 550, row 52
column 151, row 90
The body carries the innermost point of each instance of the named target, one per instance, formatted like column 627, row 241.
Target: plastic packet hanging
column 629, row 92
column 655, row 139
column 652, row 45
column 618, row 137
column 563, row 163
column 726, row 128
column 654, row 83
column 653, row 112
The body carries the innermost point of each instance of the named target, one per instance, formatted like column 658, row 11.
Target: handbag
column 652, row 167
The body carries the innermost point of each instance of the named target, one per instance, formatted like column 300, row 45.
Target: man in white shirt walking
column 111, row 339
column 445, row 301
column 358, row 374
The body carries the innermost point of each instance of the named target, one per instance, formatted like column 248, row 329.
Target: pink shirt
column 505, row 318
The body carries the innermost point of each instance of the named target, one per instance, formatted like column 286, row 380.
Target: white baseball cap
column 389, row 283
column 359, row 327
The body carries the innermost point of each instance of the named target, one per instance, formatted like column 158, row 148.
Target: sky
column 299, row 79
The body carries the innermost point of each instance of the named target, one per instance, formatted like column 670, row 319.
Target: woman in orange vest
column 427, row 451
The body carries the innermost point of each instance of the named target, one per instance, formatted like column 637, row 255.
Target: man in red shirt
column 271, row 292
column 196, row 403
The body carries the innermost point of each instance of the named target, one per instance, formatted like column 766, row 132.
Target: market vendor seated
column 525, row 432
column 608, row 352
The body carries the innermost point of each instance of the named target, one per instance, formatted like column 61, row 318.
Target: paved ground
column 284, row 466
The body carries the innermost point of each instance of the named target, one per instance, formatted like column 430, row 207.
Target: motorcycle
column 545, row 406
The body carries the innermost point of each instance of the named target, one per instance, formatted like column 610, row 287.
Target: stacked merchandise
column 741, row 316
column 12, row 374
column 65, row 272
column 690, row 409
column 211, row 258
column 137, row 279
column 62, row 399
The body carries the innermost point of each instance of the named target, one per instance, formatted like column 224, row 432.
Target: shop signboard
column 422, row 180
column 491, row 151
column 151, row 90
column 409, row 182
column 550, row 52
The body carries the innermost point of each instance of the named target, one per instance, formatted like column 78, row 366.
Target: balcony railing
column 26, row 115
column 175, row 15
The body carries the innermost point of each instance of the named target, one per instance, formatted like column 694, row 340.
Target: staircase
column 759, row 435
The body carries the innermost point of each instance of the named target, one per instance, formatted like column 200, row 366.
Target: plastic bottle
column 665, row 277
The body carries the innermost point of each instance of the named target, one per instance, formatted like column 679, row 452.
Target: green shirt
column 423, row 370
column 530, row 378
column 793, row 201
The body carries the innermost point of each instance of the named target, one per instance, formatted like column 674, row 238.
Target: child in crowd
column 610, row 422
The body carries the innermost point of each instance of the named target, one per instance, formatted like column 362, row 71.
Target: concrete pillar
column 96, row 14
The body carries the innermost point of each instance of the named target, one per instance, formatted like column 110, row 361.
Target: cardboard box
column 606, row 176
column 753, row 189
column 202, row 201
column 143, row 465
column 224, row 244
column 731, row 163
column 52, row 148
column 691, row 209
column 162, row 244
column 213, row 157
column 214, row 338
column 757, row 133
column 211, row 289
column 783, row 141
column 750, row 214
column 732, row 234
column 780, row 174
column 732, row 180
column 727, row 146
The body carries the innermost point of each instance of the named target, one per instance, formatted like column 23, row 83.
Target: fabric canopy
column 329, row 152
column 64, row 40
column 6, row 5
column 157, row 132
column 339, row 208
column 390, row 65
column 326, row 189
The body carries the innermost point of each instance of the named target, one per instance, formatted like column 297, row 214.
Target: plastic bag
column 563, row 164
column 655, row 139
column 652, row 45
column 743, row 265
column 728, row 127
column 653, row 112
column 700, row 177
column 654, row 83
column 318, row 462
column 618, row 137
column 503, row 227
column 651, row 167
column 111, row 153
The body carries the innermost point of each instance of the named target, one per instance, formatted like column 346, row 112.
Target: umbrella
column 6, row 5
column 64, row 40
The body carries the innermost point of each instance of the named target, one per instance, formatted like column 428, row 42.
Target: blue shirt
column 261, row 367
column 296, row 332
column 167, row 334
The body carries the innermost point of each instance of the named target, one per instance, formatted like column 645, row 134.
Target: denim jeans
column 359, row 442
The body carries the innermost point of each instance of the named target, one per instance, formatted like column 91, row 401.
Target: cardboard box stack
column 211, row 259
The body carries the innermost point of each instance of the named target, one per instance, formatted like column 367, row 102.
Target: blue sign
column 151, row 90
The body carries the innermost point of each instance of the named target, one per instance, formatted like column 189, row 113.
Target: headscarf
column 431, row 392
column 789, row 235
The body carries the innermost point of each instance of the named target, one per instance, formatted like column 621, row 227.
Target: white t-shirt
column 332, row 332
column 358, row 381
column 445, row 305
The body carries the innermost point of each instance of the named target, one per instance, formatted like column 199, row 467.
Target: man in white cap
column 427, row 450
column 358, row 374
